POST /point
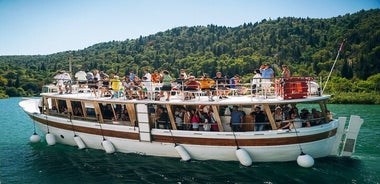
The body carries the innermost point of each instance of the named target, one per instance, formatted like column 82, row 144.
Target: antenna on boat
column 336, row 58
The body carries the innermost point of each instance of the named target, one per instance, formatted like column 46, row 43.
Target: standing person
column 162, row 118
column 267, row 74
column 147, row 75
column 59, row 79
column 155, row 77
column 166, row 85
column 259, row 118
column 285, row 72
column 195, row 119
column 236, row 119
column 256, row 81
column 68, row 83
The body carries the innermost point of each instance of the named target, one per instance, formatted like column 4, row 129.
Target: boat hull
column 264, row 146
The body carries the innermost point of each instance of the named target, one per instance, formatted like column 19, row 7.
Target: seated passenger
column 190, row 86
column 316, row 115
column 221, row 85
column 305, row 117
column 235, row 83
column 294, row 122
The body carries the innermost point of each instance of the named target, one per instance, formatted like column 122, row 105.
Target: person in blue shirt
column 236, row 119
column 267, row 74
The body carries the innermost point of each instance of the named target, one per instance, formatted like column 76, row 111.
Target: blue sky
column 30, row 27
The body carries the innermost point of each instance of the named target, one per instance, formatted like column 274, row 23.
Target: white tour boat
column 120, row 124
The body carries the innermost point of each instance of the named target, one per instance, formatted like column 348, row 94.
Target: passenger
column 115, row 86
column 147, row 87
column 131, row 75
column 59, row 79
column 191, row 85
column 329, row 116
column 166, row 85
column 125, row 115
column 68, row 83
column 186, row 118
column 136, row 85
column 267, row 77
column 259, row 117
column 147, row 75
column 236, row 119
column 285, row 72
column 305, row 117
column 183, row 72
column 80, row 77
column 278, row 116
column 155, row 77
column 195, row 120
column 179, row 114
column 180, row 81
column 92, row 82
column 222, row 87
column 256, row 81
column 105, row 86
column 238, row 86
column 316, row 117
column 126, row 83
column 162, row 118
column 294, row 122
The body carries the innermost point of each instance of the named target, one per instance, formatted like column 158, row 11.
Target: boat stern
column 346, row 138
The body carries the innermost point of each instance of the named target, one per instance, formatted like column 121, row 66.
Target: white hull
column 316, row 149
column 261, row 146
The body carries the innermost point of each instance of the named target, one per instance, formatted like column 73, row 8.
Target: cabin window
column 77, row 108
column 90, row 110
column 62, row 107
column 106, row 110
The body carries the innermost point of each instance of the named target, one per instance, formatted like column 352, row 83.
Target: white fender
column 182, row 152
column 243, row 157
column 108, row 146
column 79, row 142
column 35, row 138
column 305, row 160
column 50, row 139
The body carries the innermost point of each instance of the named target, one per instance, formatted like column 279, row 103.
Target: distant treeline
column 308, row 46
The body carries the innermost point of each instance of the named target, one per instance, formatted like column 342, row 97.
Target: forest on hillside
column 308, row 46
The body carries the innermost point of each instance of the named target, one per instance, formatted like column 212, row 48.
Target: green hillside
column 308, row 46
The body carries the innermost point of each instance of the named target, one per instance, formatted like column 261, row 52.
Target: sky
column 42, row 27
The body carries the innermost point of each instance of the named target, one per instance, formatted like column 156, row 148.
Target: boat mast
column 336, row 58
